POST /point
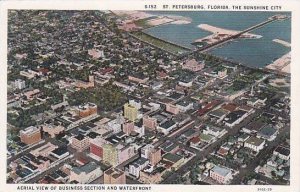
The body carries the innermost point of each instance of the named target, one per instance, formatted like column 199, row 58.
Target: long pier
column 235, row 36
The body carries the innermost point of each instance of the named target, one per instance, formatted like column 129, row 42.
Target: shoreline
column 281, row 64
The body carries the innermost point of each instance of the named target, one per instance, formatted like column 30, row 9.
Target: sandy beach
column 159, row 21
column 282, row 64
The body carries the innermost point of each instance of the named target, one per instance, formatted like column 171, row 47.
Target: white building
column 214, row 131
column 184, row 106
column 19, row 84
column 254, row 143
column 166, row 127
column 137, row 166
column 221, row 174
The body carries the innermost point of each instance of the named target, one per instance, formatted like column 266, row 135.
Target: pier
column 235, row 36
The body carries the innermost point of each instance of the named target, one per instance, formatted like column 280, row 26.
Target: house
column 282, row 152
column 254, row 144
column 214, row 131
column 253, row 127
column 269, row 133
column 194, row 142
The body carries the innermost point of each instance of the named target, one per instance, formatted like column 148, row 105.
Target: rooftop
column 255, row 141
column 221, row 170
column 87, row 168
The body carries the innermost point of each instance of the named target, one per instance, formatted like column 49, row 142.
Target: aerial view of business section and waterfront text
column 148, row 97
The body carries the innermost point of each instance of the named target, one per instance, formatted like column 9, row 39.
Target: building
column 86, row 84
column 86, row 110
column 96, row 147
column 115, row 154
column 138, row 78
column 184, row 106
column 175, row 159
column 19, row 84
column 155, row 156
column 30, row 135
column 130, row 112
column 53, row 129
column 222, row 73
column 254, row 144
column 80, row 142
column 235, row 117
column 172, row 109
column 44, row 150
column 149, row 123
column 167, row 127
column 86, row 173
column 214, row 131
column 269, row 133
column 128, row 127
column 114, row 176
column 60, row 152
column 282, row 152
column 125, row 152
column 221, row 174
column 138, row 165
column 155, row 176
column 137, row 104
column 149, row 152
column 110, row 154
column 193, row 65
column 31, row 94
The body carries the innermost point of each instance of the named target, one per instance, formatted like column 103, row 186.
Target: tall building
column 130, row 112
column 114, row 176
column 115, row 154
column 128, row 127
column 149, row 122
column 30, row 135
column 80, row 142
column 110, row 154
column 96, row 147
column 151, row 153
column 155, row 156
column 172, row 109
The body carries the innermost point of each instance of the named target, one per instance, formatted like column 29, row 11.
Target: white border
column 293, row 6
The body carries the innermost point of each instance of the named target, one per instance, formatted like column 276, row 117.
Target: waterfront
column 246, row 51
